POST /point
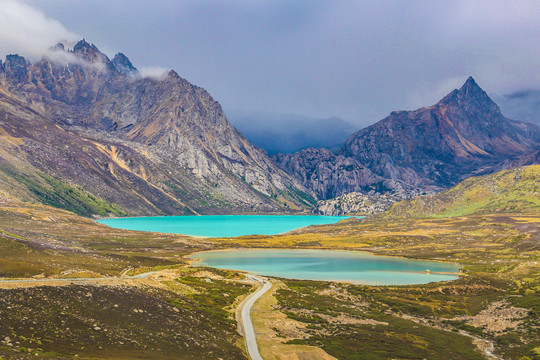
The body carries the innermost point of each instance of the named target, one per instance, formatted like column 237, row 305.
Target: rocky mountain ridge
column 420, row 151
column 146, row 145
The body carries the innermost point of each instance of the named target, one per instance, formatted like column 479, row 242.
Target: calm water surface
column 331, row 265
column 221, row 225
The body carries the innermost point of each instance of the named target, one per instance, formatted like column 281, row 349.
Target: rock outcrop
column 356, row 203
column 328, row 175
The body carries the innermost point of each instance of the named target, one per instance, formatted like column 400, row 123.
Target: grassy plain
column 495, row 302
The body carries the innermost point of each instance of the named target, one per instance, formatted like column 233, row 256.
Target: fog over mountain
column 288, row 133
column 521, row 105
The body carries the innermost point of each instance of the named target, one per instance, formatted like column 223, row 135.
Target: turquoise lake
column 221, row 225
column 330, row 265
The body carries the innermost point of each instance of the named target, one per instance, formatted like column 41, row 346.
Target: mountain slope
column 428, row 149
column 461, row 135
column 148, row 145
column 510, row 191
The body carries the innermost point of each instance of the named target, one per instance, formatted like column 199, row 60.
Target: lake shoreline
column 367, row 251
column 352, row 267
column 221, row 226
column 99, row 217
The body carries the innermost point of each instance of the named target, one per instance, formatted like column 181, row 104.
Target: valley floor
column 186, row 310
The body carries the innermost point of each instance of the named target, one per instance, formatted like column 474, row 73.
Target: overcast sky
column 358, row 60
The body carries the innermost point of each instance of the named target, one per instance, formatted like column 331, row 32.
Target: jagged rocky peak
column 471, row 96
column 58, row 47
column 15, row 68
column 83, row 47
column 173, row 74
column 90, row 53
column 123, row 64
column 470, row 86
column 15, row 60
column 430, row 148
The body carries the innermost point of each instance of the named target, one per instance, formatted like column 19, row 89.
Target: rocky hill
column 428, row 149
column 510, row 191
column 360, row 204
column 86, row 133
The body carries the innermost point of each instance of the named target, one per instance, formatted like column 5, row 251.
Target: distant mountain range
column 89, row 134
column 428, row 149
column 281, row 133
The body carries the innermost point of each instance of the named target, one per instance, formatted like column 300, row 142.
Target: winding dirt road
column 68, row 281
column 245, row 318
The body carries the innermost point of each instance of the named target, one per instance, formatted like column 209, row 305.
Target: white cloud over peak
column 26, row 31
column 155, row 72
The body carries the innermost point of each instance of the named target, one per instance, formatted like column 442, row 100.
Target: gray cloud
column 357, row 60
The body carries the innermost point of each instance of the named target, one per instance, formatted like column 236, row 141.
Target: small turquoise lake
column 221, row 225
column 329, row 265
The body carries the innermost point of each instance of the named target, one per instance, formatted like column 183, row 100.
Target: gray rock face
column 122, row 63
column 328, row 175
column 15, row 69
column 155, row 138
column 427, row 149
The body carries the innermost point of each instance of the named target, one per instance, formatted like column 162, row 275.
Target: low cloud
column 154, row 72
column 65, row 58
column 27, row 31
